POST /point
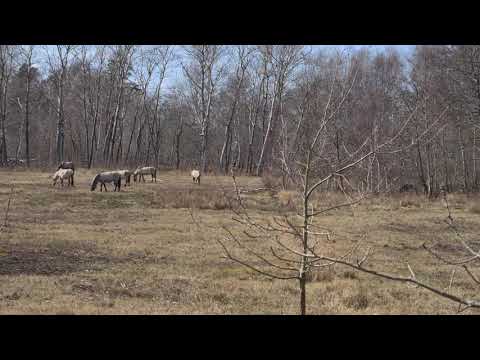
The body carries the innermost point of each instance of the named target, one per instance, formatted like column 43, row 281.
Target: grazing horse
column 63, row 174
column 67, row 165
column 140, row 172
column 196, row 176
column 125, row 174
column 107, row 177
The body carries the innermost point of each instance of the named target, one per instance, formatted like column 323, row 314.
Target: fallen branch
column 255, row 190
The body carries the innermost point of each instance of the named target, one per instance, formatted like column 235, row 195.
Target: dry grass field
column 73, row 251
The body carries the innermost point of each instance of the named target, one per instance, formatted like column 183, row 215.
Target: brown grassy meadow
column 72, row 251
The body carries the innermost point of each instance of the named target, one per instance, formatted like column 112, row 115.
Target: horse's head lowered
column 94, row 182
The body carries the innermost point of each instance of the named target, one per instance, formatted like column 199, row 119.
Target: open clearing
column 73, row 251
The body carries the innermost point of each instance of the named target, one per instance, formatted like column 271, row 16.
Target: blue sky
column 175, row 72
column 402, row 49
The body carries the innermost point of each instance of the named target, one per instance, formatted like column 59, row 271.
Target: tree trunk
column 178, row 136
column 204, row 157
column 27, row 117
column 464, row 163
column 267, row 136
column 4, row 120
column 61, row 120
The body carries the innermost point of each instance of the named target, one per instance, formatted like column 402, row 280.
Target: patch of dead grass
column 72, row 251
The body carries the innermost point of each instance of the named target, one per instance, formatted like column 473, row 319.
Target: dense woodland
column 247, row 108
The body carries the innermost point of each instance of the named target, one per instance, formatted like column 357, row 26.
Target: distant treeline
column 243, row 107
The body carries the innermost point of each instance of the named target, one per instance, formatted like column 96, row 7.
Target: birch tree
column 58, row 60
column 203, row 72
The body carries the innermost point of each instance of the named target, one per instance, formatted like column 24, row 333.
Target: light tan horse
column 147, row 170
column 63, row 174
column 125, row 174
column 67, row 165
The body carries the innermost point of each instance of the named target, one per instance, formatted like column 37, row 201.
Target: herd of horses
column 66, row 172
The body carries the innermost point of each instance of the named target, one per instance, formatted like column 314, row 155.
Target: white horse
column 148, row 170
column 125, row 174
column 63, row 174
column 196, row 176
column 107, row 177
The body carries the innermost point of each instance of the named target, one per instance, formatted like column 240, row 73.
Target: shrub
column 357, row 301
column 321, row 276
column 287, row 199
column 272, row 182
column 350, row 275
column 475, row 209
column 409, row 203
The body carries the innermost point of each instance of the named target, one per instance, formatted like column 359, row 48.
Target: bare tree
column 58, row 61
column 7, row 54
column 95, row 100
column 27, row 53
column 120, row 68
column 243, row 54
column 284, row 60
column 203, row 74
column 157, row 61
